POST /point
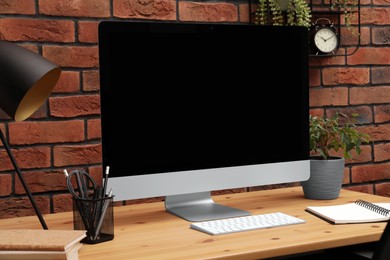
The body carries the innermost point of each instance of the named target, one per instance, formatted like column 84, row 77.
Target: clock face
column 325, row 39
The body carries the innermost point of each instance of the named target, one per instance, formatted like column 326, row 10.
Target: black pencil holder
column 96, row 216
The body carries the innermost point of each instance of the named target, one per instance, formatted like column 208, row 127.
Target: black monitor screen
column 180, row 96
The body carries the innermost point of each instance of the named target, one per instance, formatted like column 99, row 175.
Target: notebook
column 359, row 211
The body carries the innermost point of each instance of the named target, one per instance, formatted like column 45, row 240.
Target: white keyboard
column 232, row 225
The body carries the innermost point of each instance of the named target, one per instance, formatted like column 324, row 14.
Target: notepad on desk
column 359, row 211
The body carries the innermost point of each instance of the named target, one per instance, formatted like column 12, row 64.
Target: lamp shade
column 26, row 80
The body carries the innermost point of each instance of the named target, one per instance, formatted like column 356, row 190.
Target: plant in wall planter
column 283, row 12
column 348, row 9
column 327, row 171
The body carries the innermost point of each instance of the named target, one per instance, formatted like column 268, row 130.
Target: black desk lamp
column 26, row 80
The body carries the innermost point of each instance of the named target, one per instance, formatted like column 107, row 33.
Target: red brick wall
column 65, row 132
column 359, row 83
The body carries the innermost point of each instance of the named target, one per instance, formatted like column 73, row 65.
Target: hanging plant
column 268, row 12
column 262, row 10
column 298, row 13
column 348, row 8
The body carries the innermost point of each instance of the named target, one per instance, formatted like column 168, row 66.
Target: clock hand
column 330, row 37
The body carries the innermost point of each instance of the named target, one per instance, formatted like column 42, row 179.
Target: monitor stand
column 200, row 207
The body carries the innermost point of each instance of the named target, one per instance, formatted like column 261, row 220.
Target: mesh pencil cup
column 96, row 216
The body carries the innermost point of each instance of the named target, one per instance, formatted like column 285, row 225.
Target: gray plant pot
column 326, row 179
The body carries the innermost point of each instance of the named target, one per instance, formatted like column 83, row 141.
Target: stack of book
column 40, row 244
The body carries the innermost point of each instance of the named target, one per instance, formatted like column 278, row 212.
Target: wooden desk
column 146, row 231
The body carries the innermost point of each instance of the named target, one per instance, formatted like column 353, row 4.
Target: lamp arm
column 43, row 223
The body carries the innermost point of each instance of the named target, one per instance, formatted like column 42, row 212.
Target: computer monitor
column 190, row 108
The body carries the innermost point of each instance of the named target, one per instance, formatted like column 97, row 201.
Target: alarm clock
column 325, row 39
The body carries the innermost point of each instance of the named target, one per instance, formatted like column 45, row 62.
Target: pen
column 101, row 217
column 106, row 180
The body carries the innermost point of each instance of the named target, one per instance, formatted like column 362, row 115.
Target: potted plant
column 328, row 134
column 270, row 12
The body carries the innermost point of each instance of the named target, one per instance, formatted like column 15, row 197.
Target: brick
column 2, row 129
column 145, row 9
column 245, row 11
column 69, row 82
column 41, row 181
column 378, row 132
column 377, row 16
column 88, row 31
column 364, row 113
column 346, row 179
column 77, row 155
column 366, row 2
column 25, row 133
column 6, row 184
column 382, row 113
column 339, row 53
column 31, row 47
column 72, row 56
column 317, row 112
column 380, row 75
column 17, row 7
column 328, row 97
column 379, row 2
column 93, row 129
column 366, row 188
column 314, row 77
column 40, row 113
column 20, row 207
column 369, row 95
column 208, row 12
column 97, row 174
column 350, row 38
column 40, row 30
column 326, row 61
column 364, row 157
column 91, row 81
column 382, row 189
column 382, row 152
column 84, row 8
column 62, row 203
column 343, row 76
column 380, row 36
column 368, row 173
column 370, row 56
column 27, row 158
column 72, row 106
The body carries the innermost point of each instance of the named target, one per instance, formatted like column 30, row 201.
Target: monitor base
column 200, row 206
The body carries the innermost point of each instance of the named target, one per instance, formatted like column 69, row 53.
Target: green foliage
column 298, row 13
column 348, row 8
column 261, row 15
column 329, row 134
